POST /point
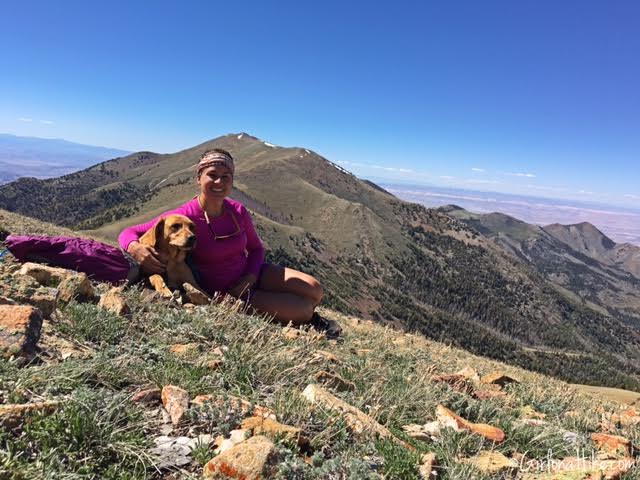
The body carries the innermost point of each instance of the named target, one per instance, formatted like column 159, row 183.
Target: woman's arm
column 133, row 233
column 145, row 255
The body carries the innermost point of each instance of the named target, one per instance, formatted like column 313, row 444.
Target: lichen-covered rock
column 176, row 402
column 358, row 422
column 498, row 378
column 148, row 396
column 426, row 469
column 611, row 446
column 44, row 274
column 250, row 460
column 274, row 429
column 114, row 302
column 75, row 287
column 447, row 418
column 335, row 381
column 491, row 463
column 20, row 327
column 11, row 415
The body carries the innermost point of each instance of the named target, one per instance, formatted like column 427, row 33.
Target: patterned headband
column 216, row 158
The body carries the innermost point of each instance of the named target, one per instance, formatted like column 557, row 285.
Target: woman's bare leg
column 287, row 294
column 275, row 278
column 285, row 307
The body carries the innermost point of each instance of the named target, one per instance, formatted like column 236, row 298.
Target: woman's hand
column 147, row 257
column 243, row 285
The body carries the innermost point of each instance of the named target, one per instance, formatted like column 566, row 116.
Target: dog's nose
column 191, row 241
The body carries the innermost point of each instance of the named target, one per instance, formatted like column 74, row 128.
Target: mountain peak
column 583, row 237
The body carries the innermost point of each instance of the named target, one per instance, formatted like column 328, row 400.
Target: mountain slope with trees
column 379, row 257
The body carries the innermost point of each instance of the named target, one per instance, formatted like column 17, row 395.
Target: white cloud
column 446, row 177
column 632, row 196
column 476, row 169
column 47, row 122
column 520, row 174
column 25, row 119
column 585, row 192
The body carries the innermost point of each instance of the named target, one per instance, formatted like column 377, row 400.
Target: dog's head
column 171, row 231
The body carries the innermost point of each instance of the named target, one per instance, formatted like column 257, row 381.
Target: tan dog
column 173, row 237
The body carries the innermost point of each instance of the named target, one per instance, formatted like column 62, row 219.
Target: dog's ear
column 153, row 235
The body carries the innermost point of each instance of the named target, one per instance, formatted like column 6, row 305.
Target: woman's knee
column 316, row 291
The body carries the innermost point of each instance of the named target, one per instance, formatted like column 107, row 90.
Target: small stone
column 358, row 422
column 171, row 451
column 363, row 352
column 491, row 462
column 214, row 363
column 571, row 438
column 447, row 418
column 335, row 381
column 12, row 414
column 114, row 302
column 627, row 418
column 20, row 327
column 611, row 446
column 235, row 437
column 456, row 381
column 469, row 373
column 195, row 296
column 489, row 394
column 45, row 299
column 184, row 349
column 528, row 411
column 328, row 356
column 272, row 428
column 249, row 460
column 425, row 433
column 290, row 333
column 77, row 286
column 176, row 402
column 426, row 470
column 44, row 274
column 574, row 468
column 149, row 396
column 498, row 378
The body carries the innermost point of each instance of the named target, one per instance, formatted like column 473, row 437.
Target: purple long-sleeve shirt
column 221, row 262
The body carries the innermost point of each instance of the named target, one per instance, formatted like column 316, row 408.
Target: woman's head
column 216, row 156
column 215, row 174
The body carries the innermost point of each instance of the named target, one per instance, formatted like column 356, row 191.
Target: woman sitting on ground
column 229, row 256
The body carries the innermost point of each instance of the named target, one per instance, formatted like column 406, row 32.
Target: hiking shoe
column 331, row 328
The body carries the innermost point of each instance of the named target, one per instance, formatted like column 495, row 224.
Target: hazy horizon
column 618, row 223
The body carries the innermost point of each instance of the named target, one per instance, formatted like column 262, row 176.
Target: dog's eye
column 175, row 227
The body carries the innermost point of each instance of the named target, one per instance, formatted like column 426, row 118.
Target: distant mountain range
column 45, row 158
column 620, row 223
column 542, row 299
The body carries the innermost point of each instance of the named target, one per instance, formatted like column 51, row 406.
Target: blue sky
column 533, row 97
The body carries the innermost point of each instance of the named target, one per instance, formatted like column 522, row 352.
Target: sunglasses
column 216, row 236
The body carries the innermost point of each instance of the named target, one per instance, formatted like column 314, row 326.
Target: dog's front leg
column 158, row 283
column 194, row 293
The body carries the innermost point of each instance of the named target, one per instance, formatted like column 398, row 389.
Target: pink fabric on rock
column 222, row 262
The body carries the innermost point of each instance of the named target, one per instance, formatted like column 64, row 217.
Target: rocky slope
column 110, row 383
column 378, row 257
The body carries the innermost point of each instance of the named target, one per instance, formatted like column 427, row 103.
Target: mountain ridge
column 380, row 257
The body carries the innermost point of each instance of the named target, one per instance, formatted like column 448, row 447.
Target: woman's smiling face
column 216, row 182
